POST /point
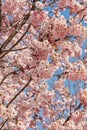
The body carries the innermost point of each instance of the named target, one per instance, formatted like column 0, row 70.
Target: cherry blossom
column 43, row 64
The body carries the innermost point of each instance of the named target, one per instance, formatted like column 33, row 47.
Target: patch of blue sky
column 49, row 8
column 78, row 103
column 30, row 128
column 72, row 39
column 40, row 114
column 50, row 11
column 60, row 115
column 40, row 126
column 77, row 87
column 85, row 84
column 53, row 79
column 49, row 59
column 57, row 96
column 27, row 90
column 1, row 120
column 66, row 83
column 83, row 55
column 3, row 1
column 66, row 113
column 65, row 13
column 47, row 120
column 10, row 17
column 52, row 106
column 59, row 71
column 50, row 82
column 50, row 14
column 81, row 83
column 33, row 116
column 16, row 68
column 22, row 41
column 50, row 85
column 86, row 119
column 84, row 23
column 73, row 59
column 84, row 45
column 72, row 87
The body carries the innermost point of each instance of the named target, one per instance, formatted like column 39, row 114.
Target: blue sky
column 73, row 86
column 70, row 84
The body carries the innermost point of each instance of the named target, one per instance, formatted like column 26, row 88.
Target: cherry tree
column 40, row 86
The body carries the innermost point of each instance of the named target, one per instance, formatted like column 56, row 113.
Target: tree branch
column 80, row 11
column 7, row 76
column 16, row 42
column 0, row 15
column 26, row 17
column 19, row 49
column 70, row 115
column 4, row 123
column 19, row 93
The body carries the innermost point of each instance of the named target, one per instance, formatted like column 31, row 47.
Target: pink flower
column 83, row 97
column 37, row 17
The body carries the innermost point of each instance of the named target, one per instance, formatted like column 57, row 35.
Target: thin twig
column 16, row 42
column 80, row 11
column 78, row 107
column 0, row 15
column 15, row 49
column 4, row 123
column 26, row 17
column 81, row 19
column 19, row 93
column 13, row 72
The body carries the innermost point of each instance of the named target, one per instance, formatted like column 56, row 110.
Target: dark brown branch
column 70, row 115
column 19, row 93
column 26, row 17
column 62, row 74
column 4, row 123
column 16, row 42
column 13, row 72
column 78, row 107
column 0, row 15
column 66, row 37
column 80, row 11
column 15, row 31
column 16, row 49
column 81, row 19
column 67, row 119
